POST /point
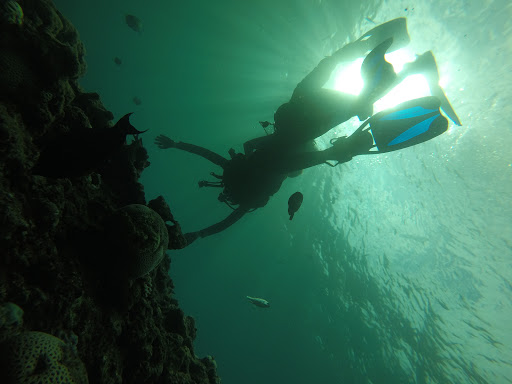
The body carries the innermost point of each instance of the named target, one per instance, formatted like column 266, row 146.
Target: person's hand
column 164, row 142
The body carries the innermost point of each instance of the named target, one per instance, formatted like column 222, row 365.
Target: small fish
column 137, row 101
column 134, row 23
column 82, row 150
column 370, row 20
column 118, row 61
column 294, row 203
column 258, row 302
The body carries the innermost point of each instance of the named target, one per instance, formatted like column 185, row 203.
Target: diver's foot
column 345, row 148
column 360, row 142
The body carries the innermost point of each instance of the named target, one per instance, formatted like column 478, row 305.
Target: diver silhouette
column 250, row 179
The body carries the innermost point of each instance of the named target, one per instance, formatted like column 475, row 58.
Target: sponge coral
column 37, row 357
column 140, row 238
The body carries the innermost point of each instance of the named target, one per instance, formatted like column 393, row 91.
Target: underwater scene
column 286, row 191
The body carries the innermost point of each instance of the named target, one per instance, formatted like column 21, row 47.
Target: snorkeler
column 249, row 180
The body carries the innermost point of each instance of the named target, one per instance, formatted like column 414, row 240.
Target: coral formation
column 176, row 238
column 138, row 234
column 11, row 318
column 37, row 357
column 11, row 12
column 53, row 230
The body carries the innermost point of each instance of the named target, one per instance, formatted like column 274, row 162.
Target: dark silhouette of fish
column 294, row 203
column 137, row 101
column 83, row 150
column 258, row 302
column 117, row 60
column 134, row 23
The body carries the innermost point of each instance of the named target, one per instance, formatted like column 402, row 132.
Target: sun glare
column 348, row 79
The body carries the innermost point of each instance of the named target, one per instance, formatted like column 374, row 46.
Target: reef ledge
column 72, row 308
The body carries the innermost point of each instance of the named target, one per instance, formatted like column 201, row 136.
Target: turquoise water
column 398, row 267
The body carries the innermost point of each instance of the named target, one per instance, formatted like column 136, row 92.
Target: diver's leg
column 258, row 143
column 343, row 150
column 298, row 161
column 395, row 29
column 218, row 227
column 316, row 78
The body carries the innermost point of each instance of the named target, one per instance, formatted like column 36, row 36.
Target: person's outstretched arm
column 164, row 142
column 236, row 215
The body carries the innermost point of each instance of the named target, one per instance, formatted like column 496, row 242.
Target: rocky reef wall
column 73, row 307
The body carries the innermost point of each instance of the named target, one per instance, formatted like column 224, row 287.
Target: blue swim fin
column 426, row 65
column 378, row 75
column 407, row 124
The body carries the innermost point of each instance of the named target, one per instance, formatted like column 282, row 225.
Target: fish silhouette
column 294, row 203
column 134, row 23
column 83, row 150
column 258, row 302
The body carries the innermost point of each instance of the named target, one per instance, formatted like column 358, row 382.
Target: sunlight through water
column 348, row 79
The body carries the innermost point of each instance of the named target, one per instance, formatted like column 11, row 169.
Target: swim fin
column 407, row 124
column 396, row 29
column 426, row 65
column 378, row 75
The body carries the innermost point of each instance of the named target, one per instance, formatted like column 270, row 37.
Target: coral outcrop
column 140, row 236
column 55, row 269
column 37, row 357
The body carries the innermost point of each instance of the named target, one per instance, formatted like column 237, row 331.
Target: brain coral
column 140, row 239
column 40, row 358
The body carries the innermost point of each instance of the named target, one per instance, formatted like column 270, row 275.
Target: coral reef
column 57, row 277
column 139, row 235
column 11, row 318
column 37, row 357
column 11, row 12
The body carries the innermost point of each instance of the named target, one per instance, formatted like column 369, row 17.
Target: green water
column 397, row 268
